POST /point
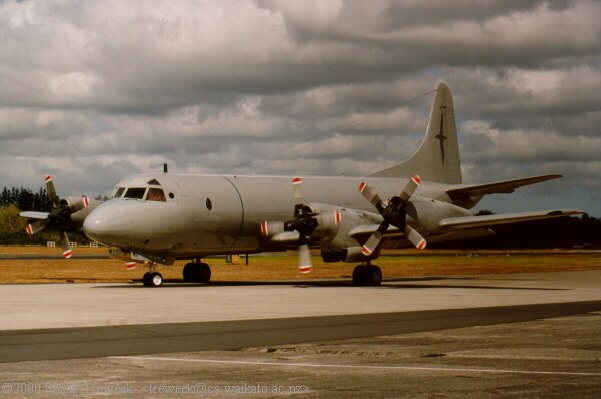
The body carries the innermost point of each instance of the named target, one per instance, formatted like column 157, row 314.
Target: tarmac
column 515, row 335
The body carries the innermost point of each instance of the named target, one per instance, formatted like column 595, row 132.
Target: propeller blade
column 34, row 215
column 34, row 227
column 374, row 240
column 67, row 252
column 79, row 205
column 304, row 257
column 51, row 191
column 410, row 188
column 299, row 199
column 371, row 195
column 414, row 237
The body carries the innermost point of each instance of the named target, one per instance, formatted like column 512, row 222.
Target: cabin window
column 135, row 192
column 209, row 204
column 156, row 194
column 119, row 192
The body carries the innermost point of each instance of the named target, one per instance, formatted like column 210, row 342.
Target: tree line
column 25, row 199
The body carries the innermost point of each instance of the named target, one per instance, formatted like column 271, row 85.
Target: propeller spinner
column 394, row 212
column 59, row 216
column 305, row 222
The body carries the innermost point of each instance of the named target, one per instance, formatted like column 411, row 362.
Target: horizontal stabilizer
column 501, row 187
column 469, row 222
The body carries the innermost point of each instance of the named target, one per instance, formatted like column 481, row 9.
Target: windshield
column 135, row 192
column 119, row 192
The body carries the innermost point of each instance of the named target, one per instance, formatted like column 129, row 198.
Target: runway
column 73, row 343
column 526, row 335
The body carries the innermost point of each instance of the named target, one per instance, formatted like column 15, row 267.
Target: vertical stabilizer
column 437, row 158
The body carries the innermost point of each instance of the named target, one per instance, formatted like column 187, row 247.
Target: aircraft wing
column 469, row 222
column 501, row 187
column 366, row 230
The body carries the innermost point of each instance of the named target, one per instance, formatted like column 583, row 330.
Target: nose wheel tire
column 152, row 279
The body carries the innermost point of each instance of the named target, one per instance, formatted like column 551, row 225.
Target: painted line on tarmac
column 362, row 367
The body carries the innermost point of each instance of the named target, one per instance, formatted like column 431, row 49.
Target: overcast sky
column 93, row 91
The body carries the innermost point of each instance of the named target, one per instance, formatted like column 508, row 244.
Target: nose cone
column 109, row 224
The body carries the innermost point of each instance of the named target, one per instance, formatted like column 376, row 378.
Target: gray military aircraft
column 158, row 218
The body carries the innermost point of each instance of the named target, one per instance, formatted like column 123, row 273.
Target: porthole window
column 209, row 204
column 171, row 195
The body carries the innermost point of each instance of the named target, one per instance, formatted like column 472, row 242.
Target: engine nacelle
column 349, row 255
column 74, row 203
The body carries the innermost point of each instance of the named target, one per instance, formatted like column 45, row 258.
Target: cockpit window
column 119, row 192
column 154, row 182
column 156, row 194
column 135, row 192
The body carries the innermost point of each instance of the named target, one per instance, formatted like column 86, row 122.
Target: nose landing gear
column 152, row 278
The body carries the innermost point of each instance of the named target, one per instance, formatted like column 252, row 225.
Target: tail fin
column 437, row 159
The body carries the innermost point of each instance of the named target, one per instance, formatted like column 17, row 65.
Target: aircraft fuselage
column 199, row 215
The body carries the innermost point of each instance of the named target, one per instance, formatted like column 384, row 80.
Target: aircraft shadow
column 393, row 283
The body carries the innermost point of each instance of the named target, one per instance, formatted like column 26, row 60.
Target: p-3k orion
column 157, row 219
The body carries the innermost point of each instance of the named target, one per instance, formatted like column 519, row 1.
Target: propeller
column 59, row 216
column 394, row 212
column 305, row 222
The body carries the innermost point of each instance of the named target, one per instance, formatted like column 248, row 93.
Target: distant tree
column 12, row 226
column 26, row 199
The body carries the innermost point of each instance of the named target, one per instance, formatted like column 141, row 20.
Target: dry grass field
column 404, row 263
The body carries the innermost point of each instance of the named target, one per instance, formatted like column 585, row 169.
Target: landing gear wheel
column 146, row 280
column 156, row 279
column 373, row 276
column 367, row 276
column 197, row 273
column 188, row 272
column 359, row 276
column 204, row 275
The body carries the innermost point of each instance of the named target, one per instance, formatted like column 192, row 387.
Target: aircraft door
column 216, row 216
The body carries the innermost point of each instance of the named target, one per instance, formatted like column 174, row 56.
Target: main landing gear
column 197, row 272
column 194, row 272
column 367, row 275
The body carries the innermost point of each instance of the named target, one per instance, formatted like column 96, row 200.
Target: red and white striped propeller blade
column 304, row 257
column 66, row 245
column 36, row 226
column 415, row 238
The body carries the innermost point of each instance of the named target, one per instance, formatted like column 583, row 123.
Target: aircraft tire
column 373, row 276
column 156, row 280
column 360, row 276
column 146, row 280
column 189, row 272
column 204, row 273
